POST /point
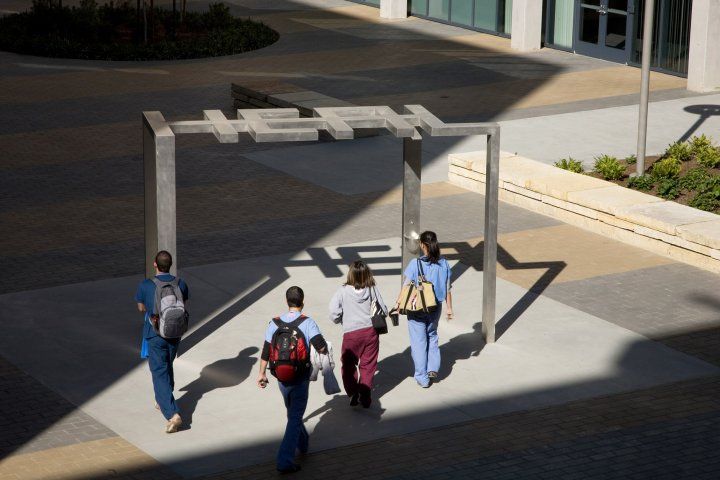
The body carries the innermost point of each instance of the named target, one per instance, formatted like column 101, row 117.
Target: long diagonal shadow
column 469, row 256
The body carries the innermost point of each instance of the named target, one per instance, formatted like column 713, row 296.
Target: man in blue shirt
column 161, row 351
column 295, row 393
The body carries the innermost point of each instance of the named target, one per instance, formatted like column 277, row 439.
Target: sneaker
column 432, row 375
column 366, row 401
column 173, row 424
column 289, row 469
column 427, row 385
column 354, row 400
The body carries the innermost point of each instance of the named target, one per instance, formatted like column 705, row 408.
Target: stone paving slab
column 556, row 354
column 560, row 184
column 664, row 216
column 704, row 233
column 608, row 199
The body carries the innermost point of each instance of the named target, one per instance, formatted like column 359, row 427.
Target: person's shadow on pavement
column 461, row 347
column 228, row 372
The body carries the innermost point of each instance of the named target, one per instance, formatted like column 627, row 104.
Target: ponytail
column 429, row 239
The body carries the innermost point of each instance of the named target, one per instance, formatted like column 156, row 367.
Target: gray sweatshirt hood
column 360, row 296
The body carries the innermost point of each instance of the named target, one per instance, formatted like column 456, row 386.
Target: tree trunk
column 137, row 21
column 152, row 20
column 145, row 22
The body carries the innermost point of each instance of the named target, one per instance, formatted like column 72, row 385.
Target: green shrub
column 631, row 160
column 697, row 144
column 642, row 182
column 669, row 188
column 678, row 150
column 695, row 179
column 708, row 201
column 113, row 31
column 609, row 167
column 570, row 164
column 669, row 167
column 709, row 157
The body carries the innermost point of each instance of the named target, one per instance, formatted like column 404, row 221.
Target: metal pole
column 492, row 175
column 645, row 84
column 412, row 166
column 159, row 172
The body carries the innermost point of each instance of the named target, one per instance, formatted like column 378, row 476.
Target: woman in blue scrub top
column 423, row 326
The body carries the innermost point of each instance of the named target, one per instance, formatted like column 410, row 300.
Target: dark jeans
column 359, row 349
column 161, row 354
column 295, row 395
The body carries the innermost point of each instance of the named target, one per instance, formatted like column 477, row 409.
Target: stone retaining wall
column 281, row 96
column 664, row 227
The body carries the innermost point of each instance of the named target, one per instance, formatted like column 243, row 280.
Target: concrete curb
column 667, row 228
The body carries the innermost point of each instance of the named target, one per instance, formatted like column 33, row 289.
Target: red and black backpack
column 289, row 350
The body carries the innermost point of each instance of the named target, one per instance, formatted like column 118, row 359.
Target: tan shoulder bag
column 418, row 296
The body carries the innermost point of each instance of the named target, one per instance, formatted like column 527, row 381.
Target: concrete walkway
column 549, row 355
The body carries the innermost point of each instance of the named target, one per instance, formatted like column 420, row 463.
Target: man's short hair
column 295, row 297
column 163, row 260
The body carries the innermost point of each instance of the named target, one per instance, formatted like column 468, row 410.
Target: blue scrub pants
column 424, row 343
column 296, row 436
column 161, row 354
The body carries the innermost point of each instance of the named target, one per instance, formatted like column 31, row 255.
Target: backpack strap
column 278, row 323
column 298, row 321
column 156, row 303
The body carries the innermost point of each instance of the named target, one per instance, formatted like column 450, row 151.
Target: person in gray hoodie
column 352, row 306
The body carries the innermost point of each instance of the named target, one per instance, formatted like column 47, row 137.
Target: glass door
column 604, row 28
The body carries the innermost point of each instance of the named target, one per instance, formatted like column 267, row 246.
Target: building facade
column 686, row 36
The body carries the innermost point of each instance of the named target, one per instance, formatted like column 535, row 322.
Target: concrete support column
column 704, row 57
column 159, row 167
column 490, row 233
column 527, row 19
column 412, row 166
column 393, row 9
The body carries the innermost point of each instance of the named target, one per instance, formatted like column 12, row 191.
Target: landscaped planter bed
column 122, row 31
column 687, row 173
column 665, row 227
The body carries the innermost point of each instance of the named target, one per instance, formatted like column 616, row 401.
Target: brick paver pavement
column 71, row 208
column 664, row 432
column 71, row 211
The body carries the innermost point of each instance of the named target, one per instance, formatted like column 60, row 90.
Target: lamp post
column 645, row 84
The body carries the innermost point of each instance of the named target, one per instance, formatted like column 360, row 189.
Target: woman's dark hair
column 360, row 275
column 295, row 297
column 429, row 239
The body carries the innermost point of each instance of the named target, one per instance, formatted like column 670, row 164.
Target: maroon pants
column 359, row 349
